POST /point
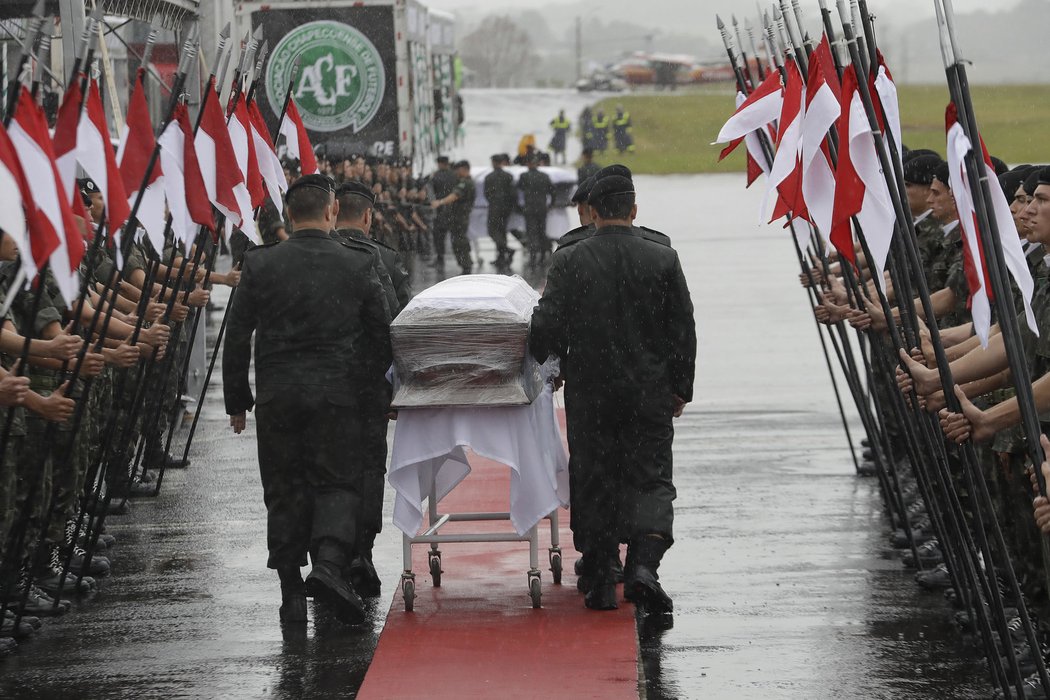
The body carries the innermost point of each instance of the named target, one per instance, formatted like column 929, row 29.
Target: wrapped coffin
column 462, row 342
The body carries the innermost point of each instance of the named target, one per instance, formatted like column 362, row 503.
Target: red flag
column 134, row 155
column 183, row 183
column 785, row 176
column 761, row 107
column 823, row 107
column 65, row 145
column 247, row 160
column 95, row 155
column 269, row 164
column 18, row 212
column 56, row 238
column 297, row 141
column 213, row 147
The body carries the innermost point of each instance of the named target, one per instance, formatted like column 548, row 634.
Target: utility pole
column 579, row 49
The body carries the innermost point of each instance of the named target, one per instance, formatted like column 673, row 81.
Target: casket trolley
column 459, row 350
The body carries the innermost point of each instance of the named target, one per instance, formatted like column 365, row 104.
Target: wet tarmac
column 783, row 584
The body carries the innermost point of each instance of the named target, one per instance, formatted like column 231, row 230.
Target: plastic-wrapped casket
column 462, row 342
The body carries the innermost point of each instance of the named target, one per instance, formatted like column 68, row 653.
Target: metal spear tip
column 719, row 22
column 96, row 14
column 258, row 35
column 747, row 24
column 38, row 8
column 225, row 33
column 732, row 18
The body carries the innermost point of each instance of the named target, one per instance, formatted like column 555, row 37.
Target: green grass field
column 673, row 131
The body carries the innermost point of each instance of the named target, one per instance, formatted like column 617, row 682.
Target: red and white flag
column 975, row 263
column 133, row 155
column 296, row 140
column 183, row 183
column 785, row 177
column 885, row 88
column 823, row 95
column 760, row 108
column 225, row 185
column 756, row 160
column 254, row 191
column 17, row 209
column 64, row 141
column 269, row 164
column 860, row 188
column 58, row 232
column 96, row 157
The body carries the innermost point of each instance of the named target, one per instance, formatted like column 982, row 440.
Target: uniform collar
column 310, row 233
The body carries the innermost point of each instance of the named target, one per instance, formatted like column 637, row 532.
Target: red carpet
column 477, row 636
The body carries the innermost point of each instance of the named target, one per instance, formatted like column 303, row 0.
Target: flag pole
column 233, row 291
column 811, row 287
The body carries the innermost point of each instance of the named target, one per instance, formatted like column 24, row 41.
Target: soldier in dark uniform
column 589, row 168
column 616, row 311
column 313, row 305
column 458, row 204
column 501, row 196
column 539, row 195
column 442, row 182
column 353, row 224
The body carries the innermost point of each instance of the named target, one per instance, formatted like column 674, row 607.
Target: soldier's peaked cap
column 611, row 186
column 87, row 186
column 319, row 182
column 616, row 169
column 359, row 189
column 583, row 191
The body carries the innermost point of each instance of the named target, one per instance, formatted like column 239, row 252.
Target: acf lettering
column 323, row 72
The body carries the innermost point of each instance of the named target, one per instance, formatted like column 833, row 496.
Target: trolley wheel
column 534, row 591
column 556, row 567
column 408, row 592
column 435, row 569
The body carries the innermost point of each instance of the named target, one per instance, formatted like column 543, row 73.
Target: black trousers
column 497, row 225
column 373, row 448
column 620, row 466
column 536, row 229
column 310, row 462
column 440, row 229
column 461, row 243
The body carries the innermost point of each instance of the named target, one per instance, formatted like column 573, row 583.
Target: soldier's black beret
column 583, row 191
column 920, row 170
column 1011, row 180
column 917, row 152
column 610, row 186
column 87, row 186
column 320, row 182
column 999, row 165
column 1033, row 179
column 360, row 189
column 943, row 174
column 461, row 164
column 496, row 158
column 442, row 160
column 1044, row 177
column 615, row 169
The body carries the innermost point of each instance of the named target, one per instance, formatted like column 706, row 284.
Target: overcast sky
column 676, row 15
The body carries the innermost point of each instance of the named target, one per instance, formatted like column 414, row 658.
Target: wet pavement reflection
column 783, row 583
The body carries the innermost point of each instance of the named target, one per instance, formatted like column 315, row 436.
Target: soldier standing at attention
column 459, row 203
column 312, row 305
column 616, row 311
column 600, row 129
column 499, row 191
column 588, row 168
column 442, row 182
column 539, row 195
column 561, row 126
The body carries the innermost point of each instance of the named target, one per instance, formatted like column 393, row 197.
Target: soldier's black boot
column 293, row 596
column 362, row 573
column 641, row 582
column 602, row 592
column 326, row 584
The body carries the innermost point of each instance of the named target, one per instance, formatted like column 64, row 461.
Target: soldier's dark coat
column 312, row 304
column 616, row 311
